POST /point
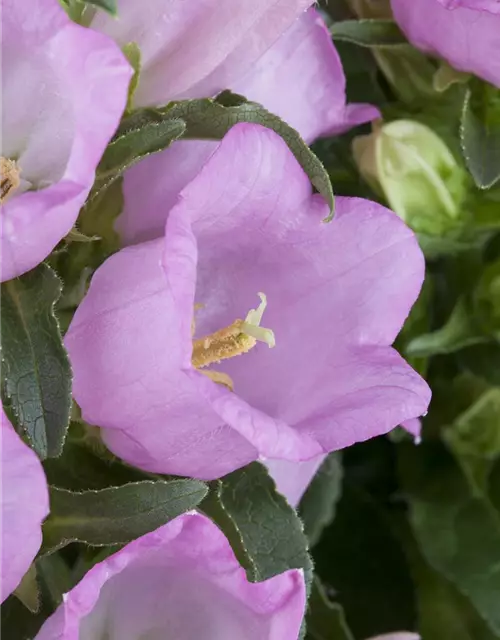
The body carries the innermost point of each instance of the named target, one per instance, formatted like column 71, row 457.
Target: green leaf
column 17, row 623
column 359, row 555
column 486, row 299
column 458, row 332
column 28, row 591
column 317, row 507
column 98, row 216
column 443, row 612
column 118, row 514
column 88, row 558
column 409, row 72
column 369, row 32
column 81, row 469
column 137, row 138
column 480, row 132
column 453, row 245
column 362, row 77
column 325, row 619
column 458, row 532
column 474, row 437
column 36, row 373
column 54, row 576
column 452, row 393
column 41, row 590
column 263, row 529
column 133, row 54
column 486, row 212
column 446, row 76
column 143, row 133
column 108, row 5
column 83, row 11
column 77, row 236
column 483, row 360
column 212, row 119
column 417, row 324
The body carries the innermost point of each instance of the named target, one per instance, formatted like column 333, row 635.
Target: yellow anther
column 234, row 340
column 219, row 378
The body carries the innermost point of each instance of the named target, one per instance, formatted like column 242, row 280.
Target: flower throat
column 238, row 338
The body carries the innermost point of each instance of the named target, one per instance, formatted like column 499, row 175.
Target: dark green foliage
column 36, row 374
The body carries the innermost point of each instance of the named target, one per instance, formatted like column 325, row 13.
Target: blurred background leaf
column 359, row 558
column 457, row 527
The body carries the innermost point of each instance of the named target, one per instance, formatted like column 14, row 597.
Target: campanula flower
column 64, row 89
column 181, row 581
column 252, row 328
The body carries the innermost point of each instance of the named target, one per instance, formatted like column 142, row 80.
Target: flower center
column 9, row 178
column 238, row 338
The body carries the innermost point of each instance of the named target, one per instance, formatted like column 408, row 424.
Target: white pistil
column 251, row 324
column 259, row 333
column 234, row 340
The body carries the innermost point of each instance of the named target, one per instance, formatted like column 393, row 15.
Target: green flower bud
column 416, row 173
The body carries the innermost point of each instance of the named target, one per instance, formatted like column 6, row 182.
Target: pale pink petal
column 64, row 90
column 372, row 391
column 466, row 37
column 187, row 48
column 152, row 587
column 414, row 427
column 354, row 114
column 165, row 174
column 24, row 505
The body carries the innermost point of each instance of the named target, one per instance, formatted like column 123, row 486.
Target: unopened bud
column 416, row 172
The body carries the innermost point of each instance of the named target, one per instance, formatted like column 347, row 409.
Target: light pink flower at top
column 24, row 504
column 337, row 295
column 64, row 89
column 195, row 50
column 277, row 54
column 465, row 34
column 181, row 581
